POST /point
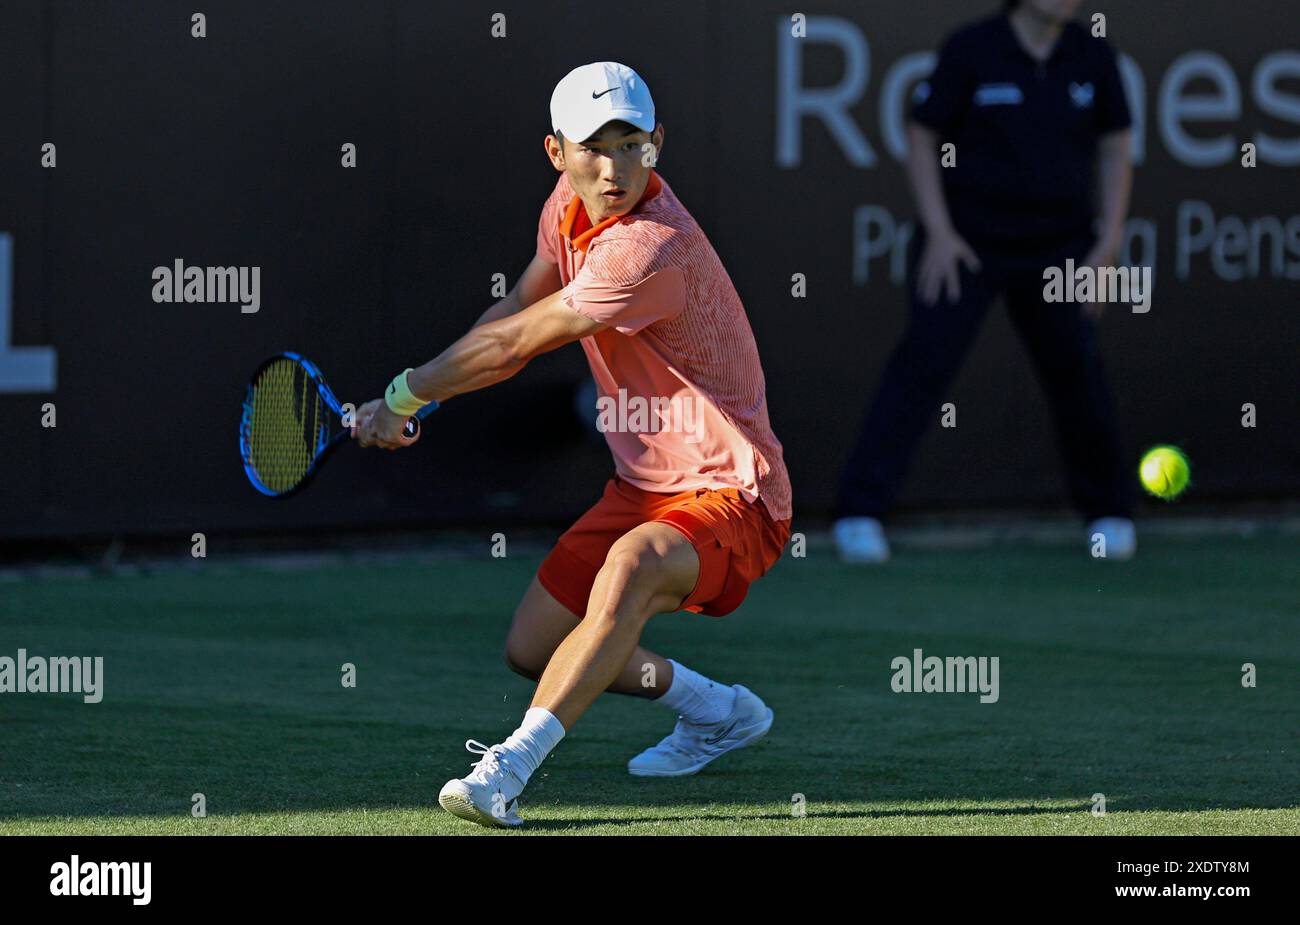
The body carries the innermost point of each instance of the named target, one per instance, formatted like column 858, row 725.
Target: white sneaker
column 861, row 539
column 1119, row 534
column 489, row 795
column 690, row 747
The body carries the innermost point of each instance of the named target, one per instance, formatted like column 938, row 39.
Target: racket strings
column 289, row 424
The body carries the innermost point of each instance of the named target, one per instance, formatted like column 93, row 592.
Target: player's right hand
column 940, row 267
column 375, row 425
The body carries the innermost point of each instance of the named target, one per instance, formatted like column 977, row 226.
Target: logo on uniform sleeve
column 1081, row 95
column 998, row 95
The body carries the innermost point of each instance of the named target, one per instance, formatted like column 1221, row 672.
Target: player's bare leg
column 541, row 623
column 651, row 570
column 712, row 718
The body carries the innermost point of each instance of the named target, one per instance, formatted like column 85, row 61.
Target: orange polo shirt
column 681, row 396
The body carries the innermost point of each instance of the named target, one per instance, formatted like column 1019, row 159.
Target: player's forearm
column 481, row 358
column 923, row 172
column 1115, row 176
column 497, row 350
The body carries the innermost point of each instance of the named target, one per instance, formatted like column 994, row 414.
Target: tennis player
column 699, row 506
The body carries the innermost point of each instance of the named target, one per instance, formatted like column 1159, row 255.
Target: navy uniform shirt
column 1026, row 131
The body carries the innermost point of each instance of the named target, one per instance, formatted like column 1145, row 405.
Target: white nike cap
column 591, row 95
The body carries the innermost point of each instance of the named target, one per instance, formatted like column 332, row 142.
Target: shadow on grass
column 588, row 821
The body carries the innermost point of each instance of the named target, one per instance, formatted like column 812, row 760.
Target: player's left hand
column 375, row 425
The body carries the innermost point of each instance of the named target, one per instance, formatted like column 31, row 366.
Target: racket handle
column 412, row 427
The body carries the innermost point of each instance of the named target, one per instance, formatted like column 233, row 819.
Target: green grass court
column 1122, row 679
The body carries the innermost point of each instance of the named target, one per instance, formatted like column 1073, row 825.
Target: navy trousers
column 1062, row 343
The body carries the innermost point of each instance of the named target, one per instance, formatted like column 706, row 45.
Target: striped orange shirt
column 681, row 396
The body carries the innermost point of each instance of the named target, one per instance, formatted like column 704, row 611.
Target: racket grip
column 412, row 426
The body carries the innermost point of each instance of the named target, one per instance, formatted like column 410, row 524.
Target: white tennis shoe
column 489, row 794
column 690, row 747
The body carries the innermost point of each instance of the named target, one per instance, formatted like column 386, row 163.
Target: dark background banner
column 225, row 151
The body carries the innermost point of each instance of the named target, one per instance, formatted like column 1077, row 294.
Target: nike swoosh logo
column 596, row 96
column 722, row 734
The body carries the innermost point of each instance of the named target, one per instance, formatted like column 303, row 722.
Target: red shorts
column 737, row 542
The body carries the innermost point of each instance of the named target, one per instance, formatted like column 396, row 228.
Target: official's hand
column 940, row 268
column 1097, row 257
column 375, row 425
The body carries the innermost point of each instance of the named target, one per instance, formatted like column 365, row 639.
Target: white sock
column 698, row 700
column 529, row 745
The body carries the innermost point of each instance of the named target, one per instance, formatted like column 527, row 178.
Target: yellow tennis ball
column 1165, row 472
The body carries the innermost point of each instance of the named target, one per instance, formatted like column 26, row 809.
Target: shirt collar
column 576, row 225
column 1063, row 47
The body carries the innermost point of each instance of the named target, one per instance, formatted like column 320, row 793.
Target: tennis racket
column 292, row 422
